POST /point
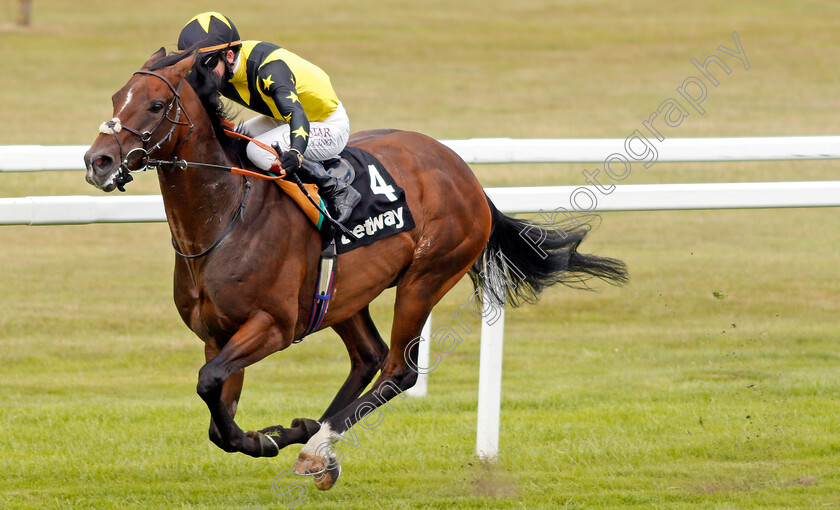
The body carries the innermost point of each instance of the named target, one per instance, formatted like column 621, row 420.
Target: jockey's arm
column 278, row 82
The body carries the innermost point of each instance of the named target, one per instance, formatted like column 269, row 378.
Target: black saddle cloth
column 382, row 212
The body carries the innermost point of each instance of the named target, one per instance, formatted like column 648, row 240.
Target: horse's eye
column 156, row 107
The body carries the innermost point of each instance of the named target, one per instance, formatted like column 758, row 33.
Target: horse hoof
column 268, row 445
column 307, row 425
column 323, row 474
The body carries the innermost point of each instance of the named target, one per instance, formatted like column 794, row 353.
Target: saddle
column 295, row 193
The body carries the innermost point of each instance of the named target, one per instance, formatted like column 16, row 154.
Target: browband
column 219, row 46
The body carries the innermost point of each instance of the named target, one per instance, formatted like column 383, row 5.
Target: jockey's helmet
column 216, row 32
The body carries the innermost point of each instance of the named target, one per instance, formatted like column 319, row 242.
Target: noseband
column 137, row 159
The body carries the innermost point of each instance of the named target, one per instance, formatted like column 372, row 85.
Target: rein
column 184, row 164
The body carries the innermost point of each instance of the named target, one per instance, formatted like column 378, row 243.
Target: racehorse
column 247, row 257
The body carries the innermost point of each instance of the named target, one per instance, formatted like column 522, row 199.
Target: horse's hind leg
column 417, row 292
column 367, row 352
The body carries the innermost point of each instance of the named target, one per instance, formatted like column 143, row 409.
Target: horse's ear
column 184, row 66
column 155, row 56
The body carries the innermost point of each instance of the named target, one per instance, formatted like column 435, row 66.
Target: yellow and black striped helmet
column 213, row 30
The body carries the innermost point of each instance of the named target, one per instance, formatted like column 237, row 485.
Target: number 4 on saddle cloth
column 382, row 212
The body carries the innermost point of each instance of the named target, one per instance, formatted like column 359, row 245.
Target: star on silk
column 267, row 82
column 300, row 132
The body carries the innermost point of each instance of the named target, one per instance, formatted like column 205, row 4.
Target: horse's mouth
column 100, row 172
column 107, row 185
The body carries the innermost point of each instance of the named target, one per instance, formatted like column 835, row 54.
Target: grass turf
column 708, row 382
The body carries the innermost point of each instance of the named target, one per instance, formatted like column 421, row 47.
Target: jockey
column 300, row 111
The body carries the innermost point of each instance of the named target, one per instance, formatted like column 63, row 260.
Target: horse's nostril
column 102, row 162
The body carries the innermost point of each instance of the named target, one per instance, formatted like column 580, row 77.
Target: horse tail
column 523, row 257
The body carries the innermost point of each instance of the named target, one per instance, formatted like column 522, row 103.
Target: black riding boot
column 335, row 184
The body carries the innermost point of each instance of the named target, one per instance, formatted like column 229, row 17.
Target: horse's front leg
column 230, row 399
column 220, row 383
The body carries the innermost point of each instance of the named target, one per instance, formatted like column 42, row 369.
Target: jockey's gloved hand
column 290, row 161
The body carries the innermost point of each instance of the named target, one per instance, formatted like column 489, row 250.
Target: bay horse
column 247, row 257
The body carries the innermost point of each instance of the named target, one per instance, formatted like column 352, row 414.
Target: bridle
column 137, row 159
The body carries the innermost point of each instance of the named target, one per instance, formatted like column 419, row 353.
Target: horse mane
column 207, row 90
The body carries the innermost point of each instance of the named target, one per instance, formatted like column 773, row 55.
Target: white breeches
column 326, row 138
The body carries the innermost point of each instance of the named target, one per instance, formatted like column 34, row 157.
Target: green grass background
column 711, row 381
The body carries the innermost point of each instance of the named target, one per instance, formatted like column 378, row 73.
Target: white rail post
column 421, row 387
column 490, row 379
